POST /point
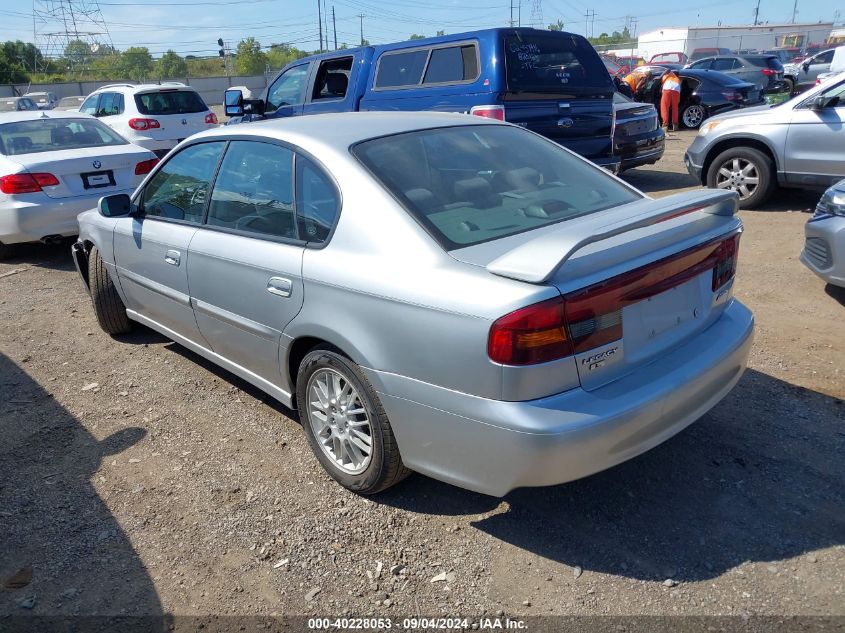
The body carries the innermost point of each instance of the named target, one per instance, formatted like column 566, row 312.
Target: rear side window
column 544, row 63
column 452, row 64
column 401, row 69
column 317, row 202
column 475, row 183
column 170, row 102
column 254, row 190
column 111, row 103
column 332, row 79
column 766, row 62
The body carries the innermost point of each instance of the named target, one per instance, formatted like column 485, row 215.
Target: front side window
column 89, row 106
column 475, row 183
column 835, row 96
column 723, row 64
column 823, row 58
column 401, row 69
column 254, row 190
column 317, row 203
column 452, row 64
column 702, row 65
column 288, row 89
column 178, row 191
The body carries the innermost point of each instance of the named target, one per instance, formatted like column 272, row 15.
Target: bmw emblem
column 565, row 122
column 184, row 121
column 97, row 164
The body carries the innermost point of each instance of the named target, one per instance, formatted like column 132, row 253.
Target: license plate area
column 98, row 179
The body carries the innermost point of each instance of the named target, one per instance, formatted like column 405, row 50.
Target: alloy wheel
column 340, row 422
column 740, row 175
column 693, row 116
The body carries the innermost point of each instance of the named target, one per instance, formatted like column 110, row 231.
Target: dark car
column 638, row 138
column 703, row 93
column 764, row 71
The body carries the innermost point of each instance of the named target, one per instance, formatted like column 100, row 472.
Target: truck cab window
column 288, row 89
column 332, row 79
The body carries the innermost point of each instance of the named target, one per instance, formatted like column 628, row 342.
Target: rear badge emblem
column 565, row 122
column 97, row 164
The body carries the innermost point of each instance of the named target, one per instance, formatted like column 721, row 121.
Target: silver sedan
column 434, row 292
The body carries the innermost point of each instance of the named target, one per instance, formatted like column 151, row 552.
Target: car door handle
column 172, row 257
column 280, row 286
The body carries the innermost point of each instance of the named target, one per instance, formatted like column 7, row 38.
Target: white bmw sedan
column 55, row 165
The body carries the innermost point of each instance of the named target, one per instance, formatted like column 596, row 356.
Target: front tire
column 6, row 251
column 108, row 307
column 790, row 85
column 346, row 425
column 747, row 171
column 693, row 116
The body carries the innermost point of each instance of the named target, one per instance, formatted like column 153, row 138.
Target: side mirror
column 819, row 103
column 806, row 66
column 233, row 101
column 115, row 206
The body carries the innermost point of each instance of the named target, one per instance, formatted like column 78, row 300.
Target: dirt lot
column 137, row 478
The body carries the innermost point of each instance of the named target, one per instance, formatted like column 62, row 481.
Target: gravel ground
column 138, row 478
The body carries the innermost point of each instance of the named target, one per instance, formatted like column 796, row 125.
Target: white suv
column 154, row 116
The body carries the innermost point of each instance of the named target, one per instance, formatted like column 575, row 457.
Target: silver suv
column 795, row 144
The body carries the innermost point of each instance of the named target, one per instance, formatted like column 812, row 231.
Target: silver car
column 798, row 144
column 434, row 292
column 824, row 246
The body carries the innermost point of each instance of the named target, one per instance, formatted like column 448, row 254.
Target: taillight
column 489, row 111
column 726, row 256
column 144, row 124
column 732, row 96
column 769, row 72
column 591, row 317
column 27, row 183
column 211, row 118
column 535, row 334
column 145, row 166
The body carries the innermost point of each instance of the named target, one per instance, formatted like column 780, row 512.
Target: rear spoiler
column 537, row 260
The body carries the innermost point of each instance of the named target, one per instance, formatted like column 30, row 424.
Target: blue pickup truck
column 553, row 83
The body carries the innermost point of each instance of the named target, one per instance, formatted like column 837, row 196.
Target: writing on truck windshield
column 543, row 63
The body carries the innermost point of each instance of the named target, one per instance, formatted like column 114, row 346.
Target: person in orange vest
column 670, row 99
column 636, row 81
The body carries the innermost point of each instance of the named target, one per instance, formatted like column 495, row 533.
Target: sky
column 193, row 26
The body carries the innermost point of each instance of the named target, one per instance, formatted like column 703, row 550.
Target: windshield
column 170, row 102
column 552, row 63
column 472, row 184
column 49, row 135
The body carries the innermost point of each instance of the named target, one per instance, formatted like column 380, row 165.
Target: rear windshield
column 50, row 135
column 551, row 63
column 475, row 183
column 766, row 62
column 9, row 105
column 170, row 102
column 71, row 101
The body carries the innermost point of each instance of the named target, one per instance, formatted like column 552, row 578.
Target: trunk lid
column 637, row 280
column 99, row 170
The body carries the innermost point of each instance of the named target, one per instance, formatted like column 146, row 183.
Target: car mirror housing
column 115, row 206
column 819, row 103
column 233, row 101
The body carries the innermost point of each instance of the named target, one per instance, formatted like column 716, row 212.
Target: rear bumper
column 642, row 150
column 493, row 446
column 32, row 220
column 612, row 164
column 824, row 248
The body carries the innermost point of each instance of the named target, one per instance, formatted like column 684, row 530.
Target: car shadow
column 52, row 256
column 63, row 552
column 759, row 478
column 656, row 181
column 835, row 292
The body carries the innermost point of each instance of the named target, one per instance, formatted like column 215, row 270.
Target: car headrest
column 422, row 198
column 336, row 83
column 476, row 191
column 61, row 136
column 20, row 144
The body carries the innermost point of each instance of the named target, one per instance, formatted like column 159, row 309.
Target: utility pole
column 326, row 23
column 320, row 24
column 589, row 17
column 757, row 13
column 794, row 11
column 361, row 15
column 511, row 14
column 334, row 28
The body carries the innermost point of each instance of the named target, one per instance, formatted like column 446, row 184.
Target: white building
column 732, row 38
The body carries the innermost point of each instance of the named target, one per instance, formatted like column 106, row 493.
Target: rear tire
column 108, row 307
column 331, row 424
column 747, row 171
column 693, row 116
column 790, row 85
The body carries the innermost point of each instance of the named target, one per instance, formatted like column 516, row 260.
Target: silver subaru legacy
column 433, row 292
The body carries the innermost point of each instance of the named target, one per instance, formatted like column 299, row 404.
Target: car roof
column 341, row 130
column 31, row 115
column 138, row 88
